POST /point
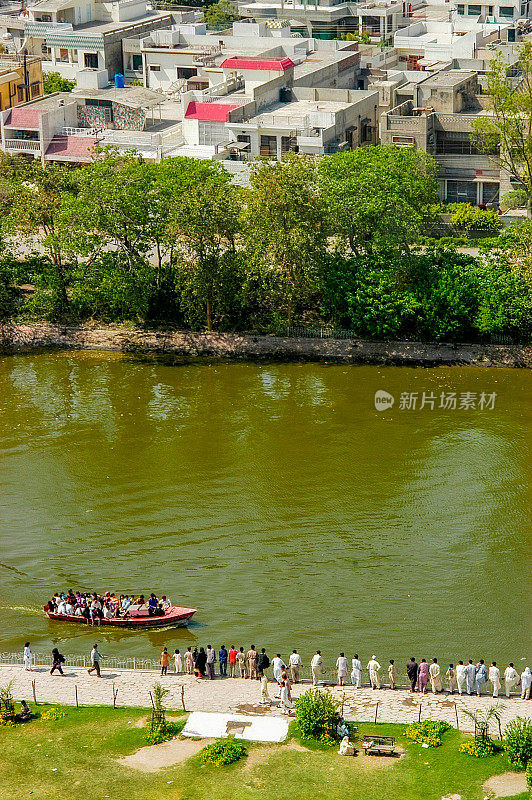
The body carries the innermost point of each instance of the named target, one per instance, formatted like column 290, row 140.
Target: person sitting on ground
column 25, row 712
column 346, row 748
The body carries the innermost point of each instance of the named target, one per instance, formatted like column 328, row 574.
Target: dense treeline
column 330, row 241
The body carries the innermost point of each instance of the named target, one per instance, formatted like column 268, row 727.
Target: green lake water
column 274, row 498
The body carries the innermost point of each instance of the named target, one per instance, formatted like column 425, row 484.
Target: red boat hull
column 175, row 617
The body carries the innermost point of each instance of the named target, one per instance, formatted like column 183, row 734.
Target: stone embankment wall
column 17, row 337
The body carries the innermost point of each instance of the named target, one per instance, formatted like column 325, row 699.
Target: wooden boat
column 137, row 617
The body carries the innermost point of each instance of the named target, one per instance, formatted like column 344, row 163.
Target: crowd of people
column 95, row 607
column 462, row 678
column 471, row 678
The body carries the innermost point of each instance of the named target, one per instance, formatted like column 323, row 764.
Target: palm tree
column 482, row 719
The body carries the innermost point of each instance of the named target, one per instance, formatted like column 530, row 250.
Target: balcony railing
column 23, row 145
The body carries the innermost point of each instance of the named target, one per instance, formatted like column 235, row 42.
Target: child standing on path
column 165, row 661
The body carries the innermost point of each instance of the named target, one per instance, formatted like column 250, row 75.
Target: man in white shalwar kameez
column 494, row 677
column 373, row 668
column 511, row 678
column 341, row 668
column 435, row 676
column 356, row 672
column 317, row 668
column 27, row 657
column 471, row 672
column 460, row 676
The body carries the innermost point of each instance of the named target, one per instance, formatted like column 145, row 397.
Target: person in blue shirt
column 222, row 660
column 152, row 604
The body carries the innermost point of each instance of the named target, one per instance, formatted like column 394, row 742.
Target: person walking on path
column 461, row 677
column 165, row 661
column 189, row 662
column 494, row 676
column 232, row 661
column 57, row 660
column 341, row 669
column 317, row 668
column 481, row 676
column 412, row 670
column 222, row 661
column 435, row 676
column 27, row 657
column 295, row 665
column 241, row 661
column 450, row 677
column 264, row 696
column 211, row 659
column 251, row 657
column 423, row 676
column 471, row 672
column 392, row 674
column 263, row 662
column 373, row 668
column 285, row 703
column 178, row 662
column 95, row 661
column 526, row 683
column 511, row 678
column 356, row 671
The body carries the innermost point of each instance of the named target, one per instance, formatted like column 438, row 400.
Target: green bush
column 427, row 732
column 155, row 734
column 479, row 748
column 518, row 741
column 529, row 774
column 223, row 752
column 468, row 218
column 316, row 716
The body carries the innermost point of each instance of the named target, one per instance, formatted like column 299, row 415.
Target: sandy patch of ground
column 259, row 755
column 156, row 756
column 506, row 785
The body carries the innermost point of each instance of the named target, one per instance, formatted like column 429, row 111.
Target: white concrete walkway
column 241, row 696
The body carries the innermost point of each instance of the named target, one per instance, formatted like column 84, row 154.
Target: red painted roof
column 279, row 64
column 214, row 112
column 24, row 118
column 71, row 146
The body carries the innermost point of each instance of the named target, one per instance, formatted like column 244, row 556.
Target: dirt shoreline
column 235, row 346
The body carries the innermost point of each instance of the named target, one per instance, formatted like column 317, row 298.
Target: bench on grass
column 379, row 745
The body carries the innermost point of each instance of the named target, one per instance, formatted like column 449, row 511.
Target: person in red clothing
column 232, row 661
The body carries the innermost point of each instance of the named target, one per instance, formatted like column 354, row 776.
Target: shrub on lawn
column 155, row 734
column 52, row 714
column 529, row 774
column 223, row 752
column 317, row 717
column 427, row 732
column 480, row 748
column 518, row 741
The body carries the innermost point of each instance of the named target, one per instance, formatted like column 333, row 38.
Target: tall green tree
column 285, row 231
column 507, row 131
column 376, row 196
column 204, row 222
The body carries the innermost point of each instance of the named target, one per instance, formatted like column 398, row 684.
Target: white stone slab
column 206, row 725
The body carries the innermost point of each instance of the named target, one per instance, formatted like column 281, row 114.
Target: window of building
column 460, row 8
column 288, row 143
column 91, row 60
column 268, row 146
column 212, row 133
column 137, row 62
column 490, row 11
column 35, row 89
column 454, row 142
column 462, row 192
column 474, row 11
column 155, row 68
column 506, row 11
column 490, row 193
column 186, row 72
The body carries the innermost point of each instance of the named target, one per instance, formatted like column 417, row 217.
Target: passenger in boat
column 140, row 601
column 69, row 608
column 113, row 604
column 95, row 610
column 165, row 604
column 61, row 607
column 51, row 605
column 152, row 604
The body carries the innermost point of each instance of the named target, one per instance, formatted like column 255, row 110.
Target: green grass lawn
column 82, row 748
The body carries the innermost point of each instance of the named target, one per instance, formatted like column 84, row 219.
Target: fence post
column 33, row 690
column 419, row 714
column 183, row 697
column 456, row 715
column 115, row 692
column 376, row 711
column 134, row 663
column 76, row 692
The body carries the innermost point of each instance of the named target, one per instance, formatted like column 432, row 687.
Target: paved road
column 237, row 695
